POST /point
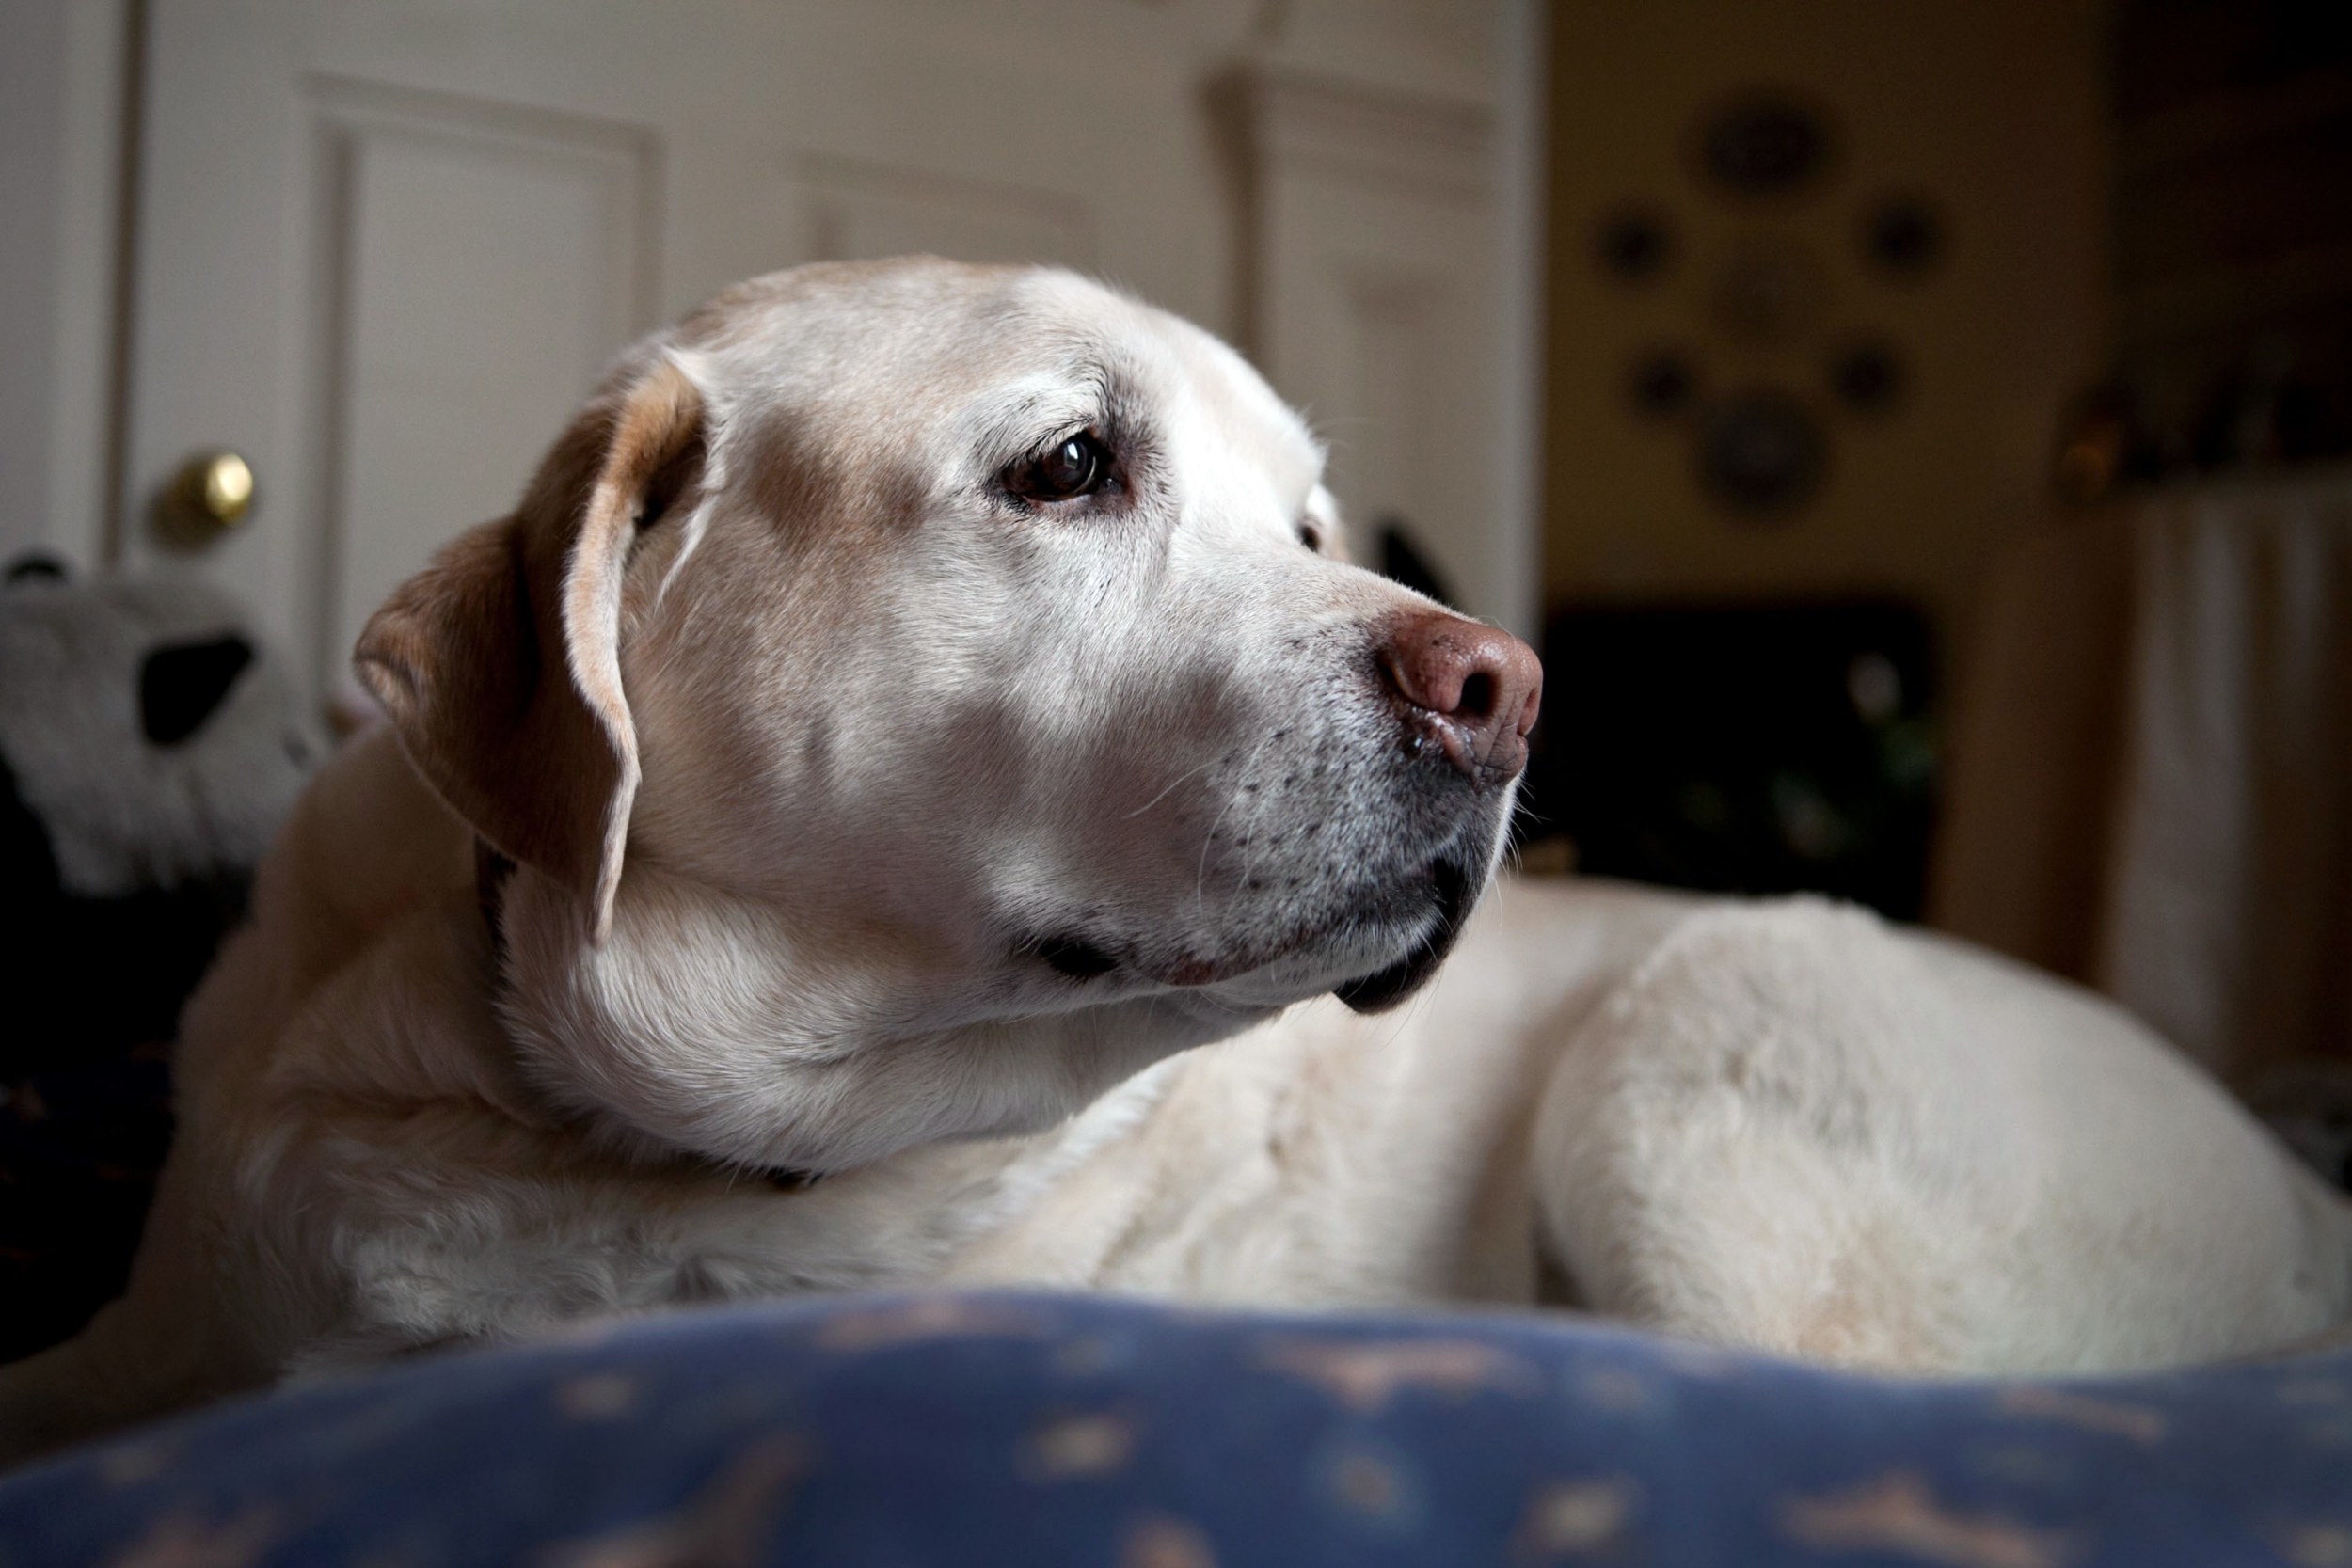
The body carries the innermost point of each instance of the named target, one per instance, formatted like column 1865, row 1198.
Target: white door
column 385, row 245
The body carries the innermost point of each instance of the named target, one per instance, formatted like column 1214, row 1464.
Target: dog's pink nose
column 1474, row 689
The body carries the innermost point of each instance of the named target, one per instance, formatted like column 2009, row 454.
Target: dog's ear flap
column 500, row 662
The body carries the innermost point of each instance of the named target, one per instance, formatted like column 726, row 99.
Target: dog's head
column 918, row 696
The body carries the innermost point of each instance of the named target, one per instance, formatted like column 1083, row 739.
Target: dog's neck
column 492, row 871
column 776, row 1050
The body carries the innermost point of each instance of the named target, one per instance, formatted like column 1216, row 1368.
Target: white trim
column 1522, row 183
column 89, row 210
column 1335, row 125
column 64, row 184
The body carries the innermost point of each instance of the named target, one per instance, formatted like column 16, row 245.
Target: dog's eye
column 1309, row 535
column 1076, row 466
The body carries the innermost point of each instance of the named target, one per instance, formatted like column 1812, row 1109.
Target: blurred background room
column 1945, row 499
column 1917, row 434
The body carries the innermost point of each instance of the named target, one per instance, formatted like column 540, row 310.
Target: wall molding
column 1348, row 128
column 1377, row 239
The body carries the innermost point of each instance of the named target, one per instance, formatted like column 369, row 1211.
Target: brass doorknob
column 210, row 495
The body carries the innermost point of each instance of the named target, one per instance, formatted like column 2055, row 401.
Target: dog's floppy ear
column 500, row 662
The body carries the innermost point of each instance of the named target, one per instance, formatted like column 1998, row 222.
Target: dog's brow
column 1033, row 408
column 1021, row 415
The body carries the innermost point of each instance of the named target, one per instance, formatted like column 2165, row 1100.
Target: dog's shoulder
column 365, row 849
column 357, row 1008
column 368, row 842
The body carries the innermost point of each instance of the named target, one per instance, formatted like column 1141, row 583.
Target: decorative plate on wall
column 1635, row 244
column 1902, row 236
column 1661, row 382
column 1761, row 452
column 1767, row 293
column 1767, row 141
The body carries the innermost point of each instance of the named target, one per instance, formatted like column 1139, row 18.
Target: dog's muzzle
column 1474, row 691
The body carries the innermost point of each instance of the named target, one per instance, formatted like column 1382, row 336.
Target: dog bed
column 1034, row 1430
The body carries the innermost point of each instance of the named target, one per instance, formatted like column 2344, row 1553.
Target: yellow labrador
column 915, row 714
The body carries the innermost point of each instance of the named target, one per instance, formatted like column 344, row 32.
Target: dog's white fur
column 813, row 741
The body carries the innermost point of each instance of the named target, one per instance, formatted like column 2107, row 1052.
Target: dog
column 915, row 795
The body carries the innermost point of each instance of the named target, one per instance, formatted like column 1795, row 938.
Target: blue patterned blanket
column 1041, row 1430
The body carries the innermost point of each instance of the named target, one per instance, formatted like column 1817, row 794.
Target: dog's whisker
column 1190, row 773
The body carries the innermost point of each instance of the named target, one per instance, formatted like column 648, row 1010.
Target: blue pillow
column 1037, row 1430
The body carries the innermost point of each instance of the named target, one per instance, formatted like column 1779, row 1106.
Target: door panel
column 480, row 264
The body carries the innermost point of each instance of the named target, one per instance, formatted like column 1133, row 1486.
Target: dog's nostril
column 1075, row 957
column 1477, row 683
column 1478, row 696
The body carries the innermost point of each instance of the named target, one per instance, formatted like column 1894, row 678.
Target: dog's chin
column 1455, row 889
